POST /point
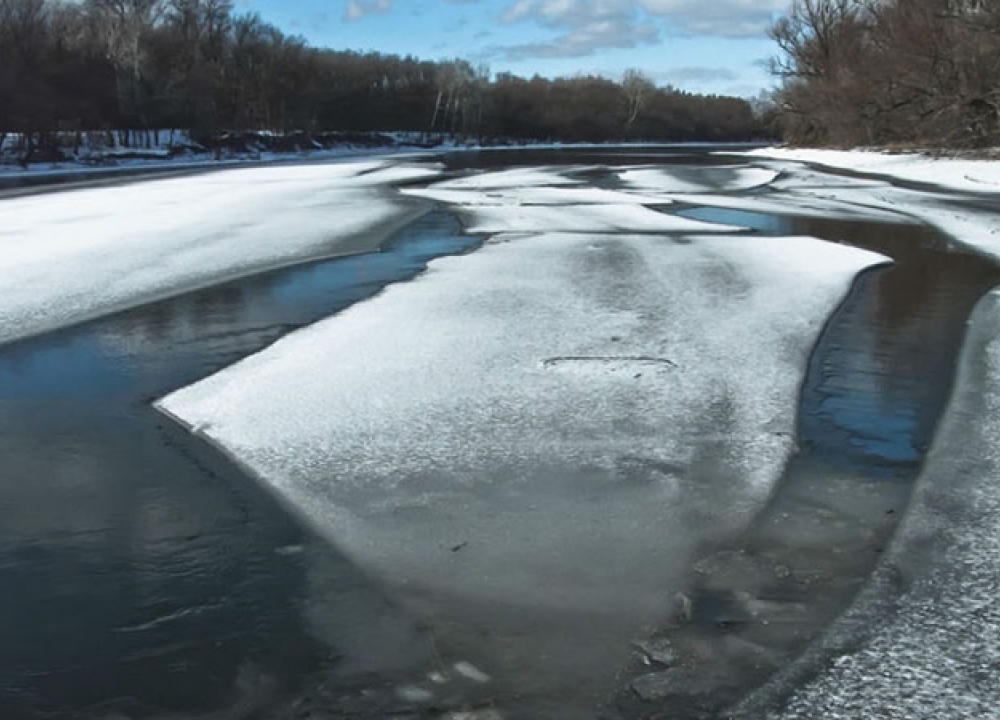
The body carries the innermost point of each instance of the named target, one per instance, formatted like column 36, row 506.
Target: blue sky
column 715, row 46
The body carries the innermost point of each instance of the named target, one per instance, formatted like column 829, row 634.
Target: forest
column 890, row 72
column 93, row 65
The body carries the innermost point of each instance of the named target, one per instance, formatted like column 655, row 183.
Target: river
column 143, row 575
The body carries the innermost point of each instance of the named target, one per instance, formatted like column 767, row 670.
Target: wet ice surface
column 68, row 256
column 526, row 443
column 922, row 640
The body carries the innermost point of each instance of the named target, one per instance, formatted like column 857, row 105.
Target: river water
column 142, row 575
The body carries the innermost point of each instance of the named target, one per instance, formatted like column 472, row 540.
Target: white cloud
column 590, row 25
column 583, row 26
column 730, row 18
column 357, row 9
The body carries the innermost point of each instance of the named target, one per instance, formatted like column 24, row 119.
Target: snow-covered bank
column 75, row 255
column 103, row 154
column 545, row 426
column 923, row 640
column 948, row 173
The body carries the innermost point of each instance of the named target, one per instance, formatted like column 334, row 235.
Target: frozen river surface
column 494, row 479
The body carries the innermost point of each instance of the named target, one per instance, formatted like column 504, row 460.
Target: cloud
column 358, row 9
column 726, row 18
column 583, row 27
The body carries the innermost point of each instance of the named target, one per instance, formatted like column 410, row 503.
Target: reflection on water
column 139, row 572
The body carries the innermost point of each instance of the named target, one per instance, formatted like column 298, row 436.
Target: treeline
column 882, row 72
column 198, row 65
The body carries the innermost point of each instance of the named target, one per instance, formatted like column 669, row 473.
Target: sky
column 707, row 46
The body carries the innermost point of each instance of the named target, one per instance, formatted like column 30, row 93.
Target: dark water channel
column 876, row 385
column 142, row 575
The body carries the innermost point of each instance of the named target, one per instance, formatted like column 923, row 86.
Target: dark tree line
column 196, row 64
column 890, row 72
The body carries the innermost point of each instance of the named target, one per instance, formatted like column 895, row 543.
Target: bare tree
column 637, row 87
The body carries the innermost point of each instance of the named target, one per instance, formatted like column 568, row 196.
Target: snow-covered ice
column 549, row 195
column 923, row 640
column 69, row 256
column 528, row 177
column 546, row 426
column 580, row 218
column 540, row 200
column 951, row 173
column 781, row 202
column 697, row 179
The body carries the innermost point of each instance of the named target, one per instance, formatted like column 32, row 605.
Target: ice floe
column 546, row 426
column 68, row 256
column 971, row 220
column 580, row 218
column 697, row 178
column 505, row 196
column 534, row 200
column 791, row 204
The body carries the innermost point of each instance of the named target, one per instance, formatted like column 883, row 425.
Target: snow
column 539, row 200
column 695, row 179
column 789, row 203
column 531, row 195
column 69, row 256
column 513, row 178
column 583, row 218
column 547, row 426
column 970, row 219
column 948, row 173
column 923, row 640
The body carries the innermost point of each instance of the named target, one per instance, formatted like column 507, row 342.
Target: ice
column 950, row 173
column 970, row 220
column 697, row 179
column 923, row 640
column 537, row 200
column 530, row 439
column 581, row 218
column 502, row 196
column 68, row 256
column 513, row 178
column 799, row 205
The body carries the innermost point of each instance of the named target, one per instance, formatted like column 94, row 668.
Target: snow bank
column 546, row 426
column 697, row 179
column 950, row 173
column 68, row 256
column 923, row 641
